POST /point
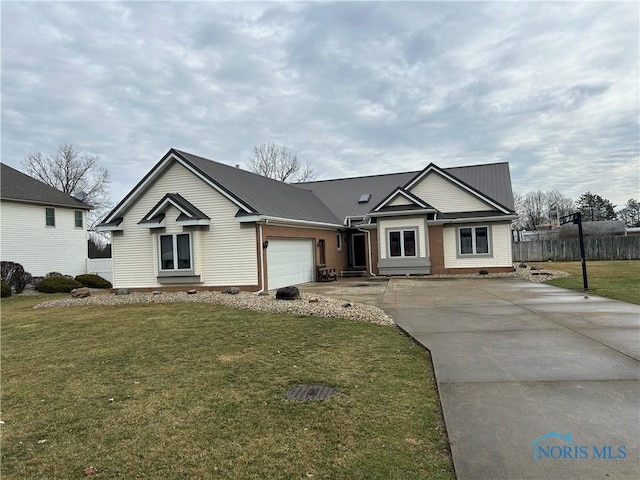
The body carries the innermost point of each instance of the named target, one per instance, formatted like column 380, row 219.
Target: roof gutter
column 442, row 221
column 369, row 243
column 261, row 249
column 421, row 211
column 287, row 221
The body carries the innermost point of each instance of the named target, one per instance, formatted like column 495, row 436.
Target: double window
column 175, row 252
column 474, row 240
column 402, row 243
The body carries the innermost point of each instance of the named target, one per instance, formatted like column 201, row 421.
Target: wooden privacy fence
column 568, row 249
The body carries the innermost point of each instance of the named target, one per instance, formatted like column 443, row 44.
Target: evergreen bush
column 93, row 281
column 58, row 284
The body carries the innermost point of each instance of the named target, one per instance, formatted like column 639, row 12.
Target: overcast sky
column 354, row 88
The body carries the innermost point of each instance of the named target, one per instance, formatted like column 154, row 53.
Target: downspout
column 369, row 243
column 261, row 262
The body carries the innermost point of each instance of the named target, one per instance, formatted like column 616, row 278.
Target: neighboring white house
column 41, row 228
column 193, row 221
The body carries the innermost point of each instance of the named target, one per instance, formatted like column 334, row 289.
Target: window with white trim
column 473, row 240
column 78, row 218
column 175, row 252
column 50, row 216
column 339, row 241
column 402, row 243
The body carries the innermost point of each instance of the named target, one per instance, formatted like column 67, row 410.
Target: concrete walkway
column 536, row 382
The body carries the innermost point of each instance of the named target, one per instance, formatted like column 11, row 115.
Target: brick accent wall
column 333, row 258
column 436, row 250
column 374, row 252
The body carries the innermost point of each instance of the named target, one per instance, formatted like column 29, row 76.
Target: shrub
column 21, row 280
column 483, row 272
column 9, row 271
column 6, row 289
column 58, row 284
column 14, row 275
column 93, row 281
column 54, row 274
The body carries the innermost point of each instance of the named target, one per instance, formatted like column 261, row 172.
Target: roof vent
column 364, row 198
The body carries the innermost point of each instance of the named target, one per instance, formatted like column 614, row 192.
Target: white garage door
column 289, row 262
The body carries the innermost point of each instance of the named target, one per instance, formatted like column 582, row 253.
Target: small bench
column 326, row 274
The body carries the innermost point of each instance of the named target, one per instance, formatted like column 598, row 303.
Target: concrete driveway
column 536, row 382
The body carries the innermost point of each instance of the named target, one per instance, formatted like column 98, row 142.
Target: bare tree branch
column 273, row 161
column 72, row 171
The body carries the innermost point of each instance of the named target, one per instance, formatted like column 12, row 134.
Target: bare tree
column 73, row 172
column 533, row 209
column 275, row 161
column 540, row 208
column 558, row 205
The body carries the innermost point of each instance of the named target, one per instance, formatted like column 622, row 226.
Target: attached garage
column 289, row 262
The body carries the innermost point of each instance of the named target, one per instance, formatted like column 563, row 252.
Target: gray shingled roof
column 341, row 195
column 264, row 195
column 17, row 186
column 492, row 179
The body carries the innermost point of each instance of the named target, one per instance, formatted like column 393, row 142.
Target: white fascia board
column 110, row 228
column 286, row 221
column 153, row 225
column 448, row 177
column 162, row 207
column 188, row 223
column 349, row 219
column 402, row 213
column 504, row 218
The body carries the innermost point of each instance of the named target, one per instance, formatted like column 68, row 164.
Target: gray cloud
column 356, row 88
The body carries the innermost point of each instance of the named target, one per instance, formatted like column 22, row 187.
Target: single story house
column 193, row 221
column 41, row 228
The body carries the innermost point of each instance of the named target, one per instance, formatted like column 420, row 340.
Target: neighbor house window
column 339, row 242
column 402, row 243
column 474, row 240
column 175, row 252
column 50, row 217
column 78, row 218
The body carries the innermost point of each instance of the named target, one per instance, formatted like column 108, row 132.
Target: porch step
column 353, row 273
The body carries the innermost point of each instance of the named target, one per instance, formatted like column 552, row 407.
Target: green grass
column 619, row 280
column 198, row 391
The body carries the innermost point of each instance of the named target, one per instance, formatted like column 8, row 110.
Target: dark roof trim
column 156, row 171
column 452, row 178
column 189, row 214
column 178, row 201
column 111, row 226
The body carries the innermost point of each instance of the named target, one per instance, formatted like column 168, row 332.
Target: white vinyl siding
column 499, row 248
column 446, row 196
column 40, row 249
column 404, row 223
column 223, row 255
column 399, row 201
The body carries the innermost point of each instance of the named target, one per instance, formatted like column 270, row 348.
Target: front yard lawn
column 198, row 391
column 618, row 279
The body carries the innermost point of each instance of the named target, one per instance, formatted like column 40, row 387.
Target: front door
column 358, row 251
